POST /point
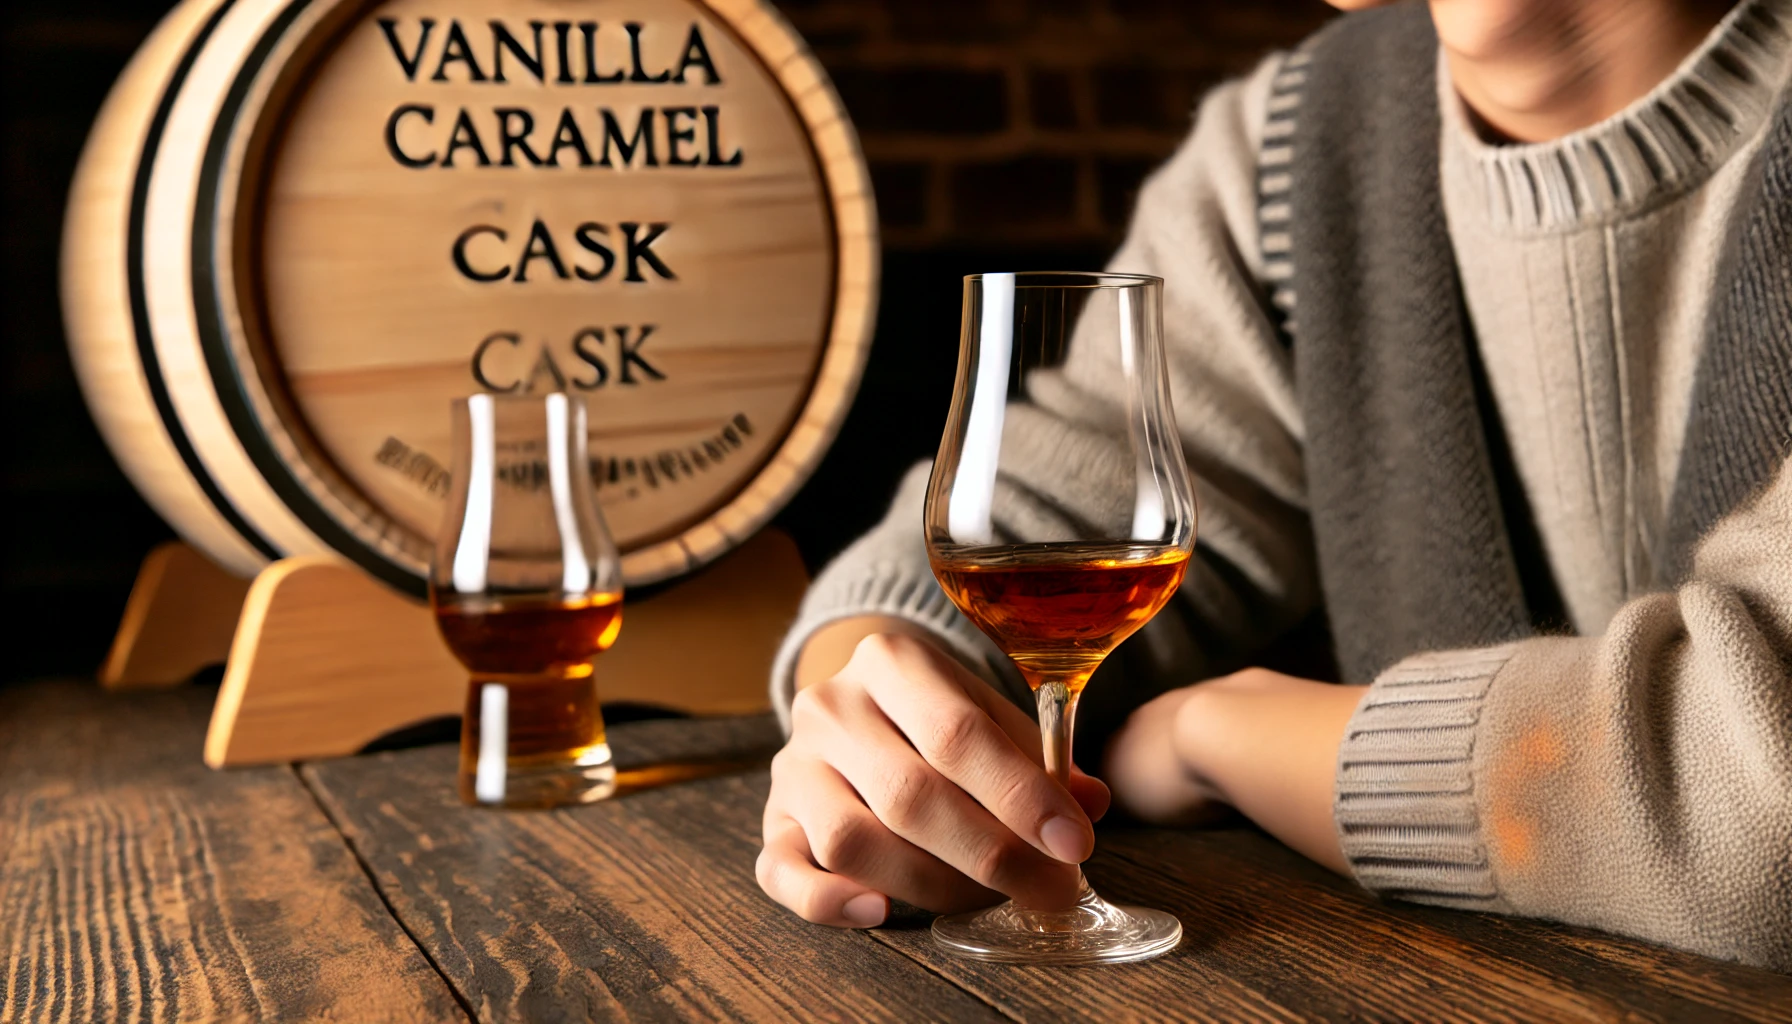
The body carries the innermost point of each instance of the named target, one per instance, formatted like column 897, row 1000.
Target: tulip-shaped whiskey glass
column 526, row 585
column 1057, row 592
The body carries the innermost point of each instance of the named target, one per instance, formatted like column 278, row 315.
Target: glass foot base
column 589, row 778
column 1093, row 931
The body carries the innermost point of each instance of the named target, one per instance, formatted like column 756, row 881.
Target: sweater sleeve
column 1639, row 782
column 1232, row 384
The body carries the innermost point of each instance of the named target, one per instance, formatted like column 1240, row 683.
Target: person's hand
column 907, row 777
column 1258, row 741
column 1152, row 778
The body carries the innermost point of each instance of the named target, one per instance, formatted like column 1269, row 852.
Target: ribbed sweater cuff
column 886, row 589
column 1405, row 797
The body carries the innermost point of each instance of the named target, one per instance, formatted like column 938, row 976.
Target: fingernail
column 1065, row 839
column 866, row 910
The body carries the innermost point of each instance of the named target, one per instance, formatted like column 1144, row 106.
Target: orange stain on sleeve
column 1517, row 772
column 1514, row 840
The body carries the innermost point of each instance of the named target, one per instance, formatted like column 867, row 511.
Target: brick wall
column 1002, row 134
column 1007, row 122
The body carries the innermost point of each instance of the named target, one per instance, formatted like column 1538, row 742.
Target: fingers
column 965, row 741
column 844, row 727
column 907, row 777
column 788, row 874
column 904, row 654
column 1092, row 794
column 846, row 839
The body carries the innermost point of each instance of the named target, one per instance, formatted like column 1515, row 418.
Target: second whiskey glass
column 526, row 586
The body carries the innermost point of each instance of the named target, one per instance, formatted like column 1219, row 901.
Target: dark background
column 1002, row 135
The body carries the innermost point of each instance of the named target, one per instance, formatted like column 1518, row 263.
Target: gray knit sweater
column 1637, row 777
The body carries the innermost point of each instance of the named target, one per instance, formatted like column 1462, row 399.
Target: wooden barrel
column 300, row 227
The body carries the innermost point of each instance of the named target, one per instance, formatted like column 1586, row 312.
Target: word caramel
column 584, row 137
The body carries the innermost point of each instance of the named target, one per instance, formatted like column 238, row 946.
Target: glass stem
column 1057, row 721
column 1057, row 726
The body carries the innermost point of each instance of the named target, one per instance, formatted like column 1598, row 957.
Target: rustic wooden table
column 135, row 884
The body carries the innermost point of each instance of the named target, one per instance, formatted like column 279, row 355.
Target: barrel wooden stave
column 97, row 303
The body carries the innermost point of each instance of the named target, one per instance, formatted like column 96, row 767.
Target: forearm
column 1259, row 741
column 1268, row 745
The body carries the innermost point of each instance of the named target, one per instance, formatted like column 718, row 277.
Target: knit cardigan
column 1423, row 535
column 1649, row 789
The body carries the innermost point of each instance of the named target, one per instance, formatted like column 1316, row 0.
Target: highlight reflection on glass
column 1062, row 596
column 526, row 585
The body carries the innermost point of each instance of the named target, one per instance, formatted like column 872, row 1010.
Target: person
column 1479, row 319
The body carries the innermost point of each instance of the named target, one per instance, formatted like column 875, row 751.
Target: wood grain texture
column 640, row 908
column 137, row 885
column 1269, row 936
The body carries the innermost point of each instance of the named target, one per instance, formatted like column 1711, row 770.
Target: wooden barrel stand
column 320, row 660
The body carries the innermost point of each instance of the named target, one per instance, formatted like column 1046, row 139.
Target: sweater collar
column 1663, row 145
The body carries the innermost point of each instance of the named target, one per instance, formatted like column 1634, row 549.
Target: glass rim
column 1071, row 279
